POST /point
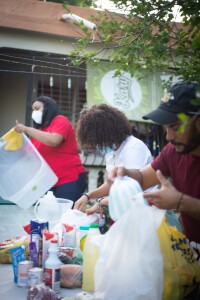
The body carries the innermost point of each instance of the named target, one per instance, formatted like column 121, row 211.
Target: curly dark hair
column 102, row 126
column 50, row 111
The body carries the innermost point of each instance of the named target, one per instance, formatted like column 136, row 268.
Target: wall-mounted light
column 51, row 81
column 69, row 83
column 78, row 20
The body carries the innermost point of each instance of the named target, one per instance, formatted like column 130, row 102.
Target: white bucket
column 24, row 174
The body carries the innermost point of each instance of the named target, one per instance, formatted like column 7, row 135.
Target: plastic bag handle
column 35, row 208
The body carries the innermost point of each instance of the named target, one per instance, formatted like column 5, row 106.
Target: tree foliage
column 146, row 37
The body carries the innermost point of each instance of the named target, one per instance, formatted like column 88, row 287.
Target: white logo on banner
column 123, row 92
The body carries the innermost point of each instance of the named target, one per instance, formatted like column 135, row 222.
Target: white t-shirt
column 132, row 154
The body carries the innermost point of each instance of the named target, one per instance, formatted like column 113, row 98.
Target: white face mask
column 37, row 116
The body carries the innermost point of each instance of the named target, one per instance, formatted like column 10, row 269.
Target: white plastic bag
column 120, row 196
column 75, row 218
column 130, row 265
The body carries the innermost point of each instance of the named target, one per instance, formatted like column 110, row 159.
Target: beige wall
column 13, row 86
column 12, row 99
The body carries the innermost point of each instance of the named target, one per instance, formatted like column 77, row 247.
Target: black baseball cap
column 179, row 99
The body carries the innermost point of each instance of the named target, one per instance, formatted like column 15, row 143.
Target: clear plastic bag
column 75, row 218
column 42, row 292
column 71, row 276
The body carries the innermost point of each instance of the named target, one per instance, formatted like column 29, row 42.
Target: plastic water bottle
column 102, row 225
column 90, row 256
column 52, row 268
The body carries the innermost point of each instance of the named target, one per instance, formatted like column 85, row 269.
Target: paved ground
column 12, row 220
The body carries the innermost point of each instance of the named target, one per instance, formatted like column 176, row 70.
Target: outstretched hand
column 96, row 207
column 80, row 203
column 167, row 197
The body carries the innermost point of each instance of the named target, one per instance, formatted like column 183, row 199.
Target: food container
column 24, row 174
column 51, row 208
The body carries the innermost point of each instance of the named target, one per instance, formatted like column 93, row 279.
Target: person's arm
column 47, row 138
column 101, row 191
column 97, row 206
column 145, row 176
column 190, row 205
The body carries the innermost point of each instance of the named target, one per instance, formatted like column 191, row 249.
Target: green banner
column 132, row 96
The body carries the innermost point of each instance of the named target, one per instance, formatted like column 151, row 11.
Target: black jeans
column 71, row 190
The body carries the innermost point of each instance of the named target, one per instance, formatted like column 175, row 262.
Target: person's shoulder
column 61, row 118
column 133, row 140
column 137, row 142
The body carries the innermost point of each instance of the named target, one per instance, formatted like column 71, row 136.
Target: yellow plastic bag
column 5, row 257
column 14, row 140
column 181, row 270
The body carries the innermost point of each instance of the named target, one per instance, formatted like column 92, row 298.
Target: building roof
column 41, row 16
column 45, row 17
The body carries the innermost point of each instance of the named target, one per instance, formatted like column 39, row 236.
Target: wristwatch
column 99, row 201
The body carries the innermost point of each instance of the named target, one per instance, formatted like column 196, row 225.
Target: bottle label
column 52, row 279
column 82, row 241
column 70, row 239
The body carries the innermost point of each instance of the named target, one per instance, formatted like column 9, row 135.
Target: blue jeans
column 71, row 190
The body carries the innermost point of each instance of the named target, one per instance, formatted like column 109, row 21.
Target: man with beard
column 177, row 168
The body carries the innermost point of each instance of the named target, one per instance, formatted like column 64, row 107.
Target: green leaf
column 184, row 119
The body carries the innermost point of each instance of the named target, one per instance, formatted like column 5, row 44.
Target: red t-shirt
column 184, row 170
column 63, row 159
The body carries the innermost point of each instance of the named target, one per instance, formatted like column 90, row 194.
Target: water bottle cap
column 84, row 227
column 94, row 226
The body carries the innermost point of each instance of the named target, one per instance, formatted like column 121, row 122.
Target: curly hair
column 50, row 111
column 102, row 126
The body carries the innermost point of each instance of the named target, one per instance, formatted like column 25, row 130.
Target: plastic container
column 52, row 268
column 83, row 231
column 90, row 257
column 24, row 174
column 102, row 225
column 51, row 208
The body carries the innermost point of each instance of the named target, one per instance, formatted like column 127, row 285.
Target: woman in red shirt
column 53, row 136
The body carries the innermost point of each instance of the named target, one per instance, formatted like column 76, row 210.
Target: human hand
column 92, row 209
column 80, row 203
column 167, row 197
column 97, row 207
column 115, row 172
column 19, row 128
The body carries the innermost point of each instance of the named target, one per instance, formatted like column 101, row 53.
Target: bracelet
column 180, row 200
column 88, row 198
